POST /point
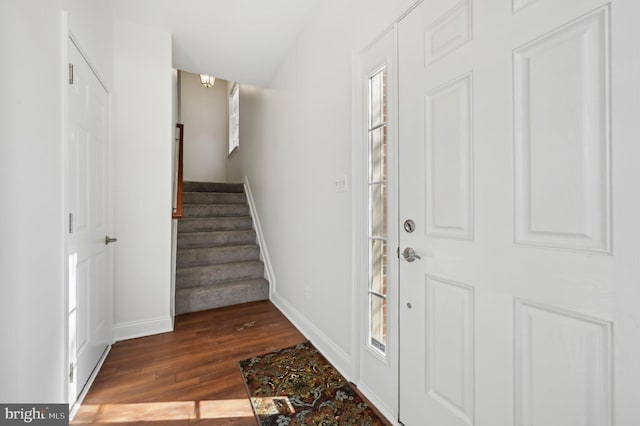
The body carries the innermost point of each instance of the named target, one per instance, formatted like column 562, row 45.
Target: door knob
column 108, row 240
column 409, row 254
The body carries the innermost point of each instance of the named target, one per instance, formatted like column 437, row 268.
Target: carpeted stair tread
column 218, row 260
column 212, row 187
column 214, row 198
column 215, row 210
column 215, row 239
column 217, row 255
column 212, row 224
column 224, row 294
column 208, row 275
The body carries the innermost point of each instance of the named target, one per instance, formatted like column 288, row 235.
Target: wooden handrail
column 177, row 211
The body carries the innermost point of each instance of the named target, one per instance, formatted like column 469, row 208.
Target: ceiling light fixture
column 207, row 80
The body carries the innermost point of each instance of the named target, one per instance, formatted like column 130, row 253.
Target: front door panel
column 508, row 312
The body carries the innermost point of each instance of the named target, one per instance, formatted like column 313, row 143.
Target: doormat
column 298, row 386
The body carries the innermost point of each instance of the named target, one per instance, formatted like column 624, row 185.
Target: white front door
column 89, row 258
column 511, row 312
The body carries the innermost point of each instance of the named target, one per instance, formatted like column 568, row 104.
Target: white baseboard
column 334, row 354
column 264, row 252
column 390, row 415
column 133, row 329
column 73, row 410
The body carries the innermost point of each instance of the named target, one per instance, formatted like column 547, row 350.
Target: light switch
column 341, row 183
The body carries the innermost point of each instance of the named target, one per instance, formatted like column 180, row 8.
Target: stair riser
column 211, row 239
column 214, row 224
column 216, row 210
column 212, row 297
column 212, row 187
column 218, row 260
column 209, row 275
column 214, row 198
column 217, row 255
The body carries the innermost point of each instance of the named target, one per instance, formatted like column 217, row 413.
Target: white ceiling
column 238, row 40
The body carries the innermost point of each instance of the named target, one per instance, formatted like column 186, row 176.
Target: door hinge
column 398, row 252
column 71, row 375
column 71, row 223
column 70, row 73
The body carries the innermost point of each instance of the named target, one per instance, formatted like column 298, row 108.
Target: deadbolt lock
column 409, row 225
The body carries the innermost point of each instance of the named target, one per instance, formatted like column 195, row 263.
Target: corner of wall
column 142, row 328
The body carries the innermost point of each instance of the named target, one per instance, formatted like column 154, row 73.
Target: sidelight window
column 377, row 234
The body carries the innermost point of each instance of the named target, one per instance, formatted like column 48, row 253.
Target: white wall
column 32, row 286
column 295, row 139
column 203, row 112
column 143, row 137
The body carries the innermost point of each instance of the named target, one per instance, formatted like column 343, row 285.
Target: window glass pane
column 378, row 322
column 377, row 107
column 234, row 118
column 378, row 154
column 378, row 273
column 377, row 174
column 378, row 209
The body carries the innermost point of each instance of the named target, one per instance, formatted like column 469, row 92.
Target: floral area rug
column 297, row 386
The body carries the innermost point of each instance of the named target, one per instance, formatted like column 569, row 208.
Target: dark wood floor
column 189, row 376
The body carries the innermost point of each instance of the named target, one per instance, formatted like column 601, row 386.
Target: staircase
column 218, row 261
